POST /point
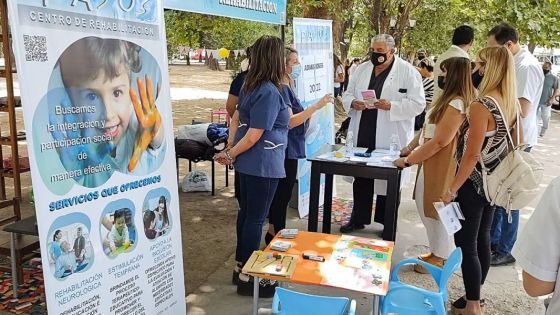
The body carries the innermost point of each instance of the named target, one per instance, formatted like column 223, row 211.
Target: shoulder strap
column 504, row 118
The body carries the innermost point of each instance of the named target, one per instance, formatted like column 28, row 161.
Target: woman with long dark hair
column 162, row 217
column 296, row 143
column 258, row 154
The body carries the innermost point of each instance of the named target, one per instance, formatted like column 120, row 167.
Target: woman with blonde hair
column 436, row 154
column 483, row 138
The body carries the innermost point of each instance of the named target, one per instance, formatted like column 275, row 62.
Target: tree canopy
column 356, row 21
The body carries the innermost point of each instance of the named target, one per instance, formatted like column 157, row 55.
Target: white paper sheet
column 449, row 215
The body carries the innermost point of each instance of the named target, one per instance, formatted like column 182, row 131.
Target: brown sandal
column 429, row 258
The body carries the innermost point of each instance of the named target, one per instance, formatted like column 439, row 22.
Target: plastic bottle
column 349, row 144
column 394, row 148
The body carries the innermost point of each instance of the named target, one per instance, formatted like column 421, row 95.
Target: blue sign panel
column 268, row 11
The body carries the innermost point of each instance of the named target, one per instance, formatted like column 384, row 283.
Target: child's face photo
column 112, row 99
column 153, row 224
column 119, row 224
column 161, row 207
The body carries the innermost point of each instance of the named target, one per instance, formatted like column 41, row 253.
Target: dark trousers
column 236, row 185
column 474, row 239
column 278, row 209
column 337, row 92
column 255, row 197
column 363, row 202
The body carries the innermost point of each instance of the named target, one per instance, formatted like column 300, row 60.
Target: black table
column 27, row 226
column 355, row 169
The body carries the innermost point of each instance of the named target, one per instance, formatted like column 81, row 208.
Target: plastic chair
column 287, row 302
column 405, row 299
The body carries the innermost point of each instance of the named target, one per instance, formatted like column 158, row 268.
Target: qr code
column 35, row 48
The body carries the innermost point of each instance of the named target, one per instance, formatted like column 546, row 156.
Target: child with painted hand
column 98, row 73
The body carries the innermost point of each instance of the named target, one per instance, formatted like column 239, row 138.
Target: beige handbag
column 514, row 183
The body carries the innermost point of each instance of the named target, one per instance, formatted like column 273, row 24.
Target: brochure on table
column 97, row 110
column 313, row 40
column 359, row 264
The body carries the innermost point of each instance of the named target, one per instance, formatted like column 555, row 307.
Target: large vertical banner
column 313, row 40
column 97, row 110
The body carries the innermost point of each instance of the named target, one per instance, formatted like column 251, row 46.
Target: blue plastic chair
column 287, row 302
column 405, row 299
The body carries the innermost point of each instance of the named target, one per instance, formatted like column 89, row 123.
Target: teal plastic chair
column 287, row 302
column 405, row 299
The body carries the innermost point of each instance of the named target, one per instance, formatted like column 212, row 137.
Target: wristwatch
column 406, row 163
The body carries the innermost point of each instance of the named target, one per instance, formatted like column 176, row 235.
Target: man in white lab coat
column 400, row 93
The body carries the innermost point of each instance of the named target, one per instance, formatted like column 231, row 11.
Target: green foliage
column 198, row 30
column 536, row 21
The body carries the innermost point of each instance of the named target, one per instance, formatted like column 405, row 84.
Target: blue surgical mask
column 296, row 72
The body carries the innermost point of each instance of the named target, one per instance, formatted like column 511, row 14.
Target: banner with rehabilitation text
column 314, row 42
column 97, row 111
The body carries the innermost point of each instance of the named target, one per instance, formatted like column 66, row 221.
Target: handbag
column 514, row 183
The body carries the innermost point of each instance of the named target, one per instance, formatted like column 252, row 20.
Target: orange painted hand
column 149, row 118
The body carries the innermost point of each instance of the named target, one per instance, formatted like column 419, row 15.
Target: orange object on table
column 352, row 263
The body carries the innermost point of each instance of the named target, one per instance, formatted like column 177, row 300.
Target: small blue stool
column 405, row 299
column 287, row 302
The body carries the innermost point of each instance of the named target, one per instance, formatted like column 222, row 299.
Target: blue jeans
column 255, row 196
column 504, row 234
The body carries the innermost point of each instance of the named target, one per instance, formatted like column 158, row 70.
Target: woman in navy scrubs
column 260, row 125
column 296, row 143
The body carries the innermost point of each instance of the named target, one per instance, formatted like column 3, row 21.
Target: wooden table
column 355, row 169
column 332, row 273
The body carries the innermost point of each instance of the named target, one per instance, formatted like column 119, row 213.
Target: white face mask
column 296, row 72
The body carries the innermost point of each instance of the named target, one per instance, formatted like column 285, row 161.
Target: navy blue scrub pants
column 279, row 207
column 255, row 197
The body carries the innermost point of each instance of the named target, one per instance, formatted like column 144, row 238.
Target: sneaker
column 351, row 227
column 245, row 286
column 501, row 260
column 459, row 307
column 236, row 272
column 430, row 259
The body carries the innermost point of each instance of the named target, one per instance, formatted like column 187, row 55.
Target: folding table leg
column 376, row 308
column 213, row 178
column 14, row 267
column 227, row 176
column 256, row 295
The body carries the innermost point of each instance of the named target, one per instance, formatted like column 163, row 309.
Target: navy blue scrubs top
column 296, row 135
column 263, row 108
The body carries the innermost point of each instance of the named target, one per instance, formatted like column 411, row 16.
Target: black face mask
column 421, row 57
column 378, row 58
column 476, row 79
column 441, row 82
column 546, row 71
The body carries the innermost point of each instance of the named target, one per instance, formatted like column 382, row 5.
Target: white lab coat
column 404, row 107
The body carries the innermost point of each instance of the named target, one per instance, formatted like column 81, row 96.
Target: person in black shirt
column 235, row 88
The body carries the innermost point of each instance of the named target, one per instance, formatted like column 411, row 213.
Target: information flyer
column 97, row 111
column 313, row 40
